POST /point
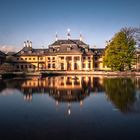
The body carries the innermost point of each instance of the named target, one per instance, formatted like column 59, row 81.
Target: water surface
column 70, row 108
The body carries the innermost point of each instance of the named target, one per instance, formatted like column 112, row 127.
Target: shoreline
column 103, row 73
column 56, row 73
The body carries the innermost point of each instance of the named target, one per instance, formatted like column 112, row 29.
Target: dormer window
column 30, row 52
column 22, row 52
column 58, row 49
column 86, row 49
column 42, row 52
column 68, row 49
column 51, row 50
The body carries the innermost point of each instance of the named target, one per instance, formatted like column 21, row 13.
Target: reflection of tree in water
column 10, row 84
column 2, row 85
column 98, row 86
column 121, row 92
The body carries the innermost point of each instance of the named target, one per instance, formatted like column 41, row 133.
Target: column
column 80, row 63
column 87, row 65
column 65, row 63
column 91, row 63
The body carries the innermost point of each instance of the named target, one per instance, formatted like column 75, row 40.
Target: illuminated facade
column 63, row 55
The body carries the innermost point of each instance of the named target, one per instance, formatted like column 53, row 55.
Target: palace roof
column 69, row 47
column 31, row 51
column 68, row 41
column 2, row 54
column 98, row 51
column 62, row 47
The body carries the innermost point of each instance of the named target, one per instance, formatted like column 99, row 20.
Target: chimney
column 24, row 44
column 30, row 44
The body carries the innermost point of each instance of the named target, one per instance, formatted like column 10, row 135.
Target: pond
column 70, row 108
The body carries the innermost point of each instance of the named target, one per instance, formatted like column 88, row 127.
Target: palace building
column 2, row 57
column 63, row 55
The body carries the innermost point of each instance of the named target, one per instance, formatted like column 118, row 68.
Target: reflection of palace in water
column 62, row 88
column 66, row 89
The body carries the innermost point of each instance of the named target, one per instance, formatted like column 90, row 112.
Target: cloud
column 8, row 48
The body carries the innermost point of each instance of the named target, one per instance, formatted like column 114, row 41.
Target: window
column 61, row 58
column 68, row 81
column 68, row 66
column 62, row 66
column 33, row 58
column 62, row 83
column 84, row 57
column 17, row 58
column 95, row 57
column 49, row 65
column 53, row 65
column 21, row 58
column 25, row 58
column 89, row 65
column 77, row 58
column 53, row 58
column 96, row 65
column 29, row 58
column 69, row 58
column 26, row 67
column 75, row 66
column 49, row 58
column 21, row 66
column 83, row 65
column 17, row 66
column 30, row 66
column 41, row 58
column 34, row 66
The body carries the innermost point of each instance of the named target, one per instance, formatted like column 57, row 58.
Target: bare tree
column 132, row 33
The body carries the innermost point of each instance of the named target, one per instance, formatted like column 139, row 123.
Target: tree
column 7, row 67
column 120, row 52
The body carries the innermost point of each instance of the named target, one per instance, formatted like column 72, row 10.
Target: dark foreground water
column 70, row 108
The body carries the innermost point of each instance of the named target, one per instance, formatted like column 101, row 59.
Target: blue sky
column 39, row 20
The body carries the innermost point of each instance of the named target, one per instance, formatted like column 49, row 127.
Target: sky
column 39, row 20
